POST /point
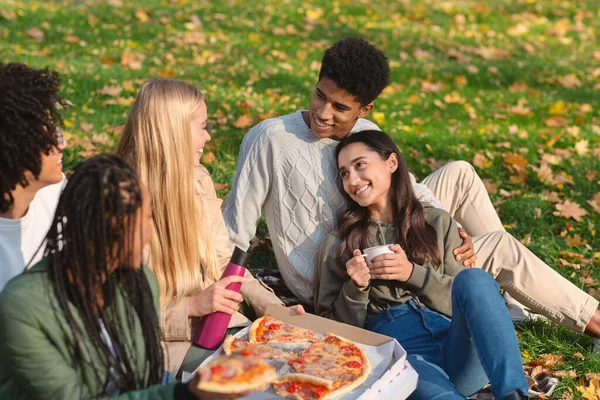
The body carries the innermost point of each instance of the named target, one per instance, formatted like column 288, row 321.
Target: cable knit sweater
column 287, row 171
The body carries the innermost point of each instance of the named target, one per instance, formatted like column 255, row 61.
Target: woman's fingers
column 227, row 306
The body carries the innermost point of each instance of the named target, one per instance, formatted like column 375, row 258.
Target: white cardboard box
column 392, row 377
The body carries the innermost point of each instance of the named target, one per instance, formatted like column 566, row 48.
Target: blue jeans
column 456, row 358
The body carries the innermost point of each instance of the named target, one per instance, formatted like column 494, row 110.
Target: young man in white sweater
column 31, row 175
column 286, row 167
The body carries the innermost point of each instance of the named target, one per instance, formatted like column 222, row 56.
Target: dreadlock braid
column 29, row 104
column 89, row 253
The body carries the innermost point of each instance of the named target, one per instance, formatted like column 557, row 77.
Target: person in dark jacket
column 450, row 319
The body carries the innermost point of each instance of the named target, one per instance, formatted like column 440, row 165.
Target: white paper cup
column 373, row 252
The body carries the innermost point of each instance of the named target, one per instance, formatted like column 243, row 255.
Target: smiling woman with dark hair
column 450, row 319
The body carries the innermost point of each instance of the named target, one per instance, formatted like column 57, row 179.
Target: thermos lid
column 240, row 257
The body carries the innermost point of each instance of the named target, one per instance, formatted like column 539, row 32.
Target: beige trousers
column 523, row 275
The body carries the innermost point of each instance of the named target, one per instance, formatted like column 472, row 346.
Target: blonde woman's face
column 199, row 133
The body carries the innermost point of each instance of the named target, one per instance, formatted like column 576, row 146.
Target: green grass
column 266, row 52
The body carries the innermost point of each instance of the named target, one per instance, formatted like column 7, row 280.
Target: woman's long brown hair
column 417, row 238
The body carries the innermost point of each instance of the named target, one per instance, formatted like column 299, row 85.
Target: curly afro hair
column 29, row 104
column 357, row 66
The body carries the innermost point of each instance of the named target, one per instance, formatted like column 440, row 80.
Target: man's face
column 51, row 171
column 333, row 111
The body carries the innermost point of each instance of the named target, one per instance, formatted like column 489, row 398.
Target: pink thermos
column 213, row 326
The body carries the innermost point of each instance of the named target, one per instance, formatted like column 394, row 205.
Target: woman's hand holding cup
column 392, row 266
column 358, row 270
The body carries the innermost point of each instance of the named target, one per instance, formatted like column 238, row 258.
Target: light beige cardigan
column 177, row 329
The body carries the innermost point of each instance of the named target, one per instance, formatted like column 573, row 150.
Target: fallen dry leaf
column 86, row 127
column 556, row 121
column 590, row 392
column 209, row 158
column 569, row 209
column 244, row 121
column 594, row 202
column 71, row 39
column 569, row 81
column 8, row 14
column 587, row 280
column 35, row 33
column 454, row 98
column 490, row 186
column 112, row 91
column 431, row 87
column 481, row 161
column 575, row 241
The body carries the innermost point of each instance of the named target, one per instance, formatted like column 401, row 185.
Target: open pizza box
column 392, row 377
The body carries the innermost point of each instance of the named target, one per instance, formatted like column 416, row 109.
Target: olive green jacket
column 36, row 355
column 337, row 296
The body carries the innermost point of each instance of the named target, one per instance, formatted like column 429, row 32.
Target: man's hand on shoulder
column 465, row 252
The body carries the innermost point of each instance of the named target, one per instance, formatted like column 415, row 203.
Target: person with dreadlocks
column 164, row 138
column 31, row 168
column 83, row 322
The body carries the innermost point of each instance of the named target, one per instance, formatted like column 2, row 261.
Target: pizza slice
column 270, row 330
column 235, row 374
column 336, row 359
column 302, row 387
column 234, row 345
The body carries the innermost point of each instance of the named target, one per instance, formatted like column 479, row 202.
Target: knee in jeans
column 474, row 282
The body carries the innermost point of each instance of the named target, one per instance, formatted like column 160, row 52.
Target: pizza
column 269, row 330
column 302, row 387
column 234, row 345
column 235, row 374
column 335, row 359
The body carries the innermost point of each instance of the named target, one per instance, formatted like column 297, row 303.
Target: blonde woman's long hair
column 157, row 141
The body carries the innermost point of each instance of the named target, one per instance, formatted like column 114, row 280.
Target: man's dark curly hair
column 29, row 104
column 357, row 66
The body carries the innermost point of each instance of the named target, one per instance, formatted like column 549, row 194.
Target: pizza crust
column 227, row 344
column 253, row 329
column 304, row 378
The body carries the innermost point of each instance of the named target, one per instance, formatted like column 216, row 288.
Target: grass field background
column 511, row 87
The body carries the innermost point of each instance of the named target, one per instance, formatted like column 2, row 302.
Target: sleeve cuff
column 356, row 294
column 418, row 277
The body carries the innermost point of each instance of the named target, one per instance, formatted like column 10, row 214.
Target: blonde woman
column 163, row 139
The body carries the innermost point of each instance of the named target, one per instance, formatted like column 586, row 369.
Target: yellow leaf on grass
column 557, row 108
column 454, row 98
column 141, row 15
column 378, row 117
